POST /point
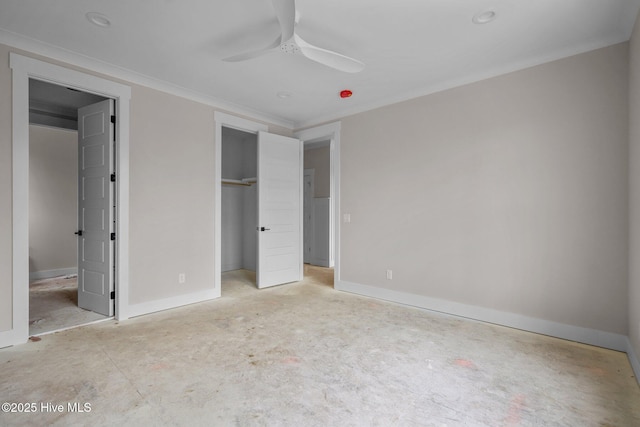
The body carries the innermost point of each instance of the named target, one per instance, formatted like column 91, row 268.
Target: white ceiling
column 410, row 47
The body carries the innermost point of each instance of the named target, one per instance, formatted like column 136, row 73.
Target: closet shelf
column 247, row 182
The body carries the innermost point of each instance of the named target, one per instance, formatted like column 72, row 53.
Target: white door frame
column 224, row 120
column 330, row 131
column 23, row 68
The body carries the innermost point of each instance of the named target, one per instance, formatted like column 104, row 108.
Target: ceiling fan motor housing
column 289, row 47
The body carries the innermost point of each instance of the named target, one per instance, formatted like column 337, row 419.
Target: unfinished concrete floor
column 304, row 354
column 53, row 305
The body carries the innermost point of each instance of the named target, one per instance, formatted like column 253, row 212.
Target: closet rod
column 245, row 182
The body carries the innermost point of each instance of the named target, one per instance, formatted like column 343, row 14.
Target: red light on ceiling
column 345, row 93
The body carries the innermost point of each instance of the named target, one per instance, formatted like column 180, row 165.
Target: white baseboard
column 13, row 337
column 16, row 336
column 633, row 359
column 168, row 303
column 231, row 267
column 48, row 274
column 320, row 262
column 595, row 337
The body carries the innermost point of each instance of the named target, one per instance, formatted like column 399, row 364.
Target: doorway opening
column 322, row 158
column 318, row 216
column 317, row 204
column 55, row 185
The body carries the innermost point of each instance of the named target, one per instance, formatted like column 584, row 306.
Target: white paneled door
column 95, row 207
column 279, row 210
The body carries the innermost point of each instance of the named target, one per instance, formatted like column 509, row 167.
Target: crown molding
column 465, row 80
column 37, row 47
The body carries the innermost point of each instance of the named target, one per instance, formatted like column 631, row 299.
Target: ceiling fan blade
column 329, row 58
column 286, row 12
column 254, row 53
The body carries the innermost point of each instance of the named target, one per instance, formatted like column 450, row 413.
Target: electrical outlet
column 347, row 218
column 182, row 278
column 389, row 274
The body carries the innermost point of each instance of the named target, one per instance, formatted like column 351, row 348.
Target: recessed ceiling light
column 98, row 19
column 484, row 17
column 284, row 94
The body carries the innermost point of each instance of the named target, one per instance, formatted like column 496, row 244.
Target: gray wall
column 509, row 194
column 319, row 160
column 634, row 201
column 239, row 154
column 171, row 195
column 232, row 211
column 53, row 199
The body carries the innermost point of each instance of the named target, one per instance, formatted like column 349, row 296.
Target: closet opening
column 239, row 209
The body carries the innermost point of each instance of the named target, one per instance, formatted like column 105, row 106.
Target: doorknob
column 79, row 232
column 264, row 229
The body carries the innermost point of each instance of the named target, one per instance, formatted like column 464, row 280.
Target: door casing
column 25, row 68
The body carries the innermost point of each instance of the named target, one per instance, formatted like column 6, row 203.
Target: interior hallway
column 305, row 354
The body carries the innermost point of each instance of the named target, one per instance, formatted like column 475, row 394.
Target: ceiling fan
column 290, row 42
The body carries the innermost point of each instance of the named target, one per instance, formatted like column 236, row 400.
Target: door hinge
column 113, row 236
column 113, row 119
column 113, row 294
column 113, row 177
